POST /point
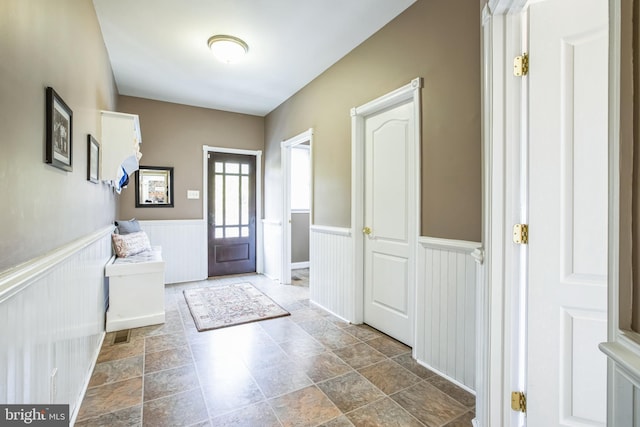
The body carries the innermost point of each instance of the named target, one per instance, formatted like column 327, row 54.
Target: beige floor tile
column 171, row 381
column 389, row 377
column 305, row 407
column 183, row 409
column 128, row 417
column 259, row 414
column 459, row 394
column 388, row 346
column 323, row 366
column 350, row 391
column 382, row 413
column 110, row 398
column 116, row 370
column 428, row 404
column 167, row 359
column 360, row 355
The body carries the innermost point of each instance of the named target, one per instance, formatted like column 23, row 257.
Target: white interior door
column 388, row 218
column 567, row 287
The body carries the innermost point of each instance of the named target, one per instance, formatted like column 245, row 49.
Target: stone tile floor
column 307, row 369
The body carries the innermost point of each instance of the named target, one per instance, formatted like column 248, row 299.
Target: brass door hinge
column 519, row 401
column 521, row 234
column 521, row 65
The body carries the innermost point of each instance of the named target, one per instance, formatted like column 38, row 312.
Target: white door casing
column 568, row 199
column 206, row 149
column 505, row 107
column 285, row 153
column 385, row 192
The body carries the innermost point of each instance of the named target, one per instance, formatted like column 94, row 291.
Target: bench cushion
column 145, row 262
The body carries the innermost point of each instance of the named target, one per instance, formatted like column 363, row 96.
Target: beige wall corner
column 173, row 135
column 437, row 40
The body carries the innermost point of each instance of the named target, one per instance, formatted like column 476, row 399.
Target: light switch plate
column 193, row 194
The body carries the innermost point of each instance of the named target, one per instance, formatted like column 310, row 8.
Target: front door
column 567, row 289
column 388, row 213
column 231, row 214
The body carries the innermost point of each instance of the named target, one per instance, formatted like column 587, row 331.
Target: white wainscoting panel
column 446, row 314
column 52, row 313
column 272, row 255
column 184, row 247
column 331, row 279
column 624, row 378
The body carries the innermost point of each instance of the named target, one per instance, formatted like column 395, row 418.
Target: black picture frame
column 59, row 134
column 93, row 159
column 154, row 187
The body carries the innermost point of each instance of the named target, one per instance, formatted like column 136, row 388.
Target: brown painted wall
column 299, row 237
column 435, row 39
column 59, row 44
column 173, row 135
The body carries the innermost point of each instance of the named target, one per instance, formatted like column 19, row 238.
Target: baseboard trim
column 134, row 322
column 447, row 377
column 74, row 415
column 329, row 311
column 299, row 265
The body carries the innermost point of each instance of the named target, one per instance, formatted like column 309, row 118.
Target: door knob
column 366, row 231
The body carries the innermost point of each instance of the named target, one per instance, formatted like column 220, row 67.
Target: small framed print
column 93, row 159
column 59, row 141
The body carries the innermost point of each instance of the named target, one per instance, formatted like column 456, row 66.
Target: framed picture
column 59, row 141
column 93, row 159
column 154, row 187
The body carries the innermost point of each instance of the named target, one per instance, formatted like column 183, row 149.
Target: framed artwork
column 154, row 187
column 93, row 160
column 59, row 141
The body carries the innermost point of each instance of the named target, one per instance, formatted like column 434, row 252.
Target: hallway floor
column 307, row 369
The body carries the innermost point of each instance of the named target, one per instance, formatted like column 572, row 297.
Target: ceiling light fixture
column 227, row 49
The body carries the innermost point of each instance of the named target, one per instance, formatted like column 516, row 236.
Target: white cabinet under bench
column 136, row 290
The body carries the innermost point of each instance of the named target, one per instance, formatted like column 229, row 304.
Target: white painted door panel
column 388, row 271
column 567, row 288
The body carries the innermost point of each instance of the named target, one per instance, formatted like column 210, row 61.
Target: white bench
column 136, row 290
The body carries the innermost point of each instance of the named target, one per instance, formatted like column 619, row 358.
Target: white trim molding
column 18, row 278
column 205, row 196
column 338, row 231
column 623, row 346
column 299, row 265
column 497, row 363
column 285, row 156
column 449, row 244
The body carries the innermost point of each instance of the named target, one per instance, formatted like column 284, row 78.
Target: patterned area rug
column 221, row 306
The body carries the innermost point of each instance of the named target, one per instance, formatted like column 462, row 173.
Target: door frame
column 410, row 91
column 206, row 149
column 285, row 153
column 500, row 307
column 504, row 122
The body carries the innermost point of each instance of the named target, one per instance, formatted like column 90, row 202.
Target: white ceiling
column 158, row 48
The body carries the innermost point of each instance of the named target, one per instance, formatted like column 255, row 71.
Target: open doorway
column 297, row 203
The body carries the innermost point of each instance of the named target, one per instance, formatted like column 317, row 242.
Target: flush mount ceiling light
column 227, row 49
